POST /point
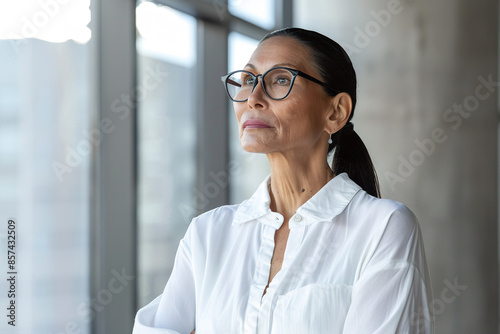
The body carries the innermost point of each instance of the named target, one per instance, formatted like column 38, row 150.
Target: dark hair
column 336, row 71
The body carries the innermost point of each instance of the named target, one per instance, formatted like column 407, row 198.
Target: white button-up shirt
column 353, row 264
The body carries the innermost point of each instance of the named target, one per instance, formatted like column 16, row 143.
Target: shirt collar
column 327, row 203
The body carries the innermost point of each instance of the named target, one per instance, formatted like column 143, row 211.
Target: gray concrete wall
column 430, row 123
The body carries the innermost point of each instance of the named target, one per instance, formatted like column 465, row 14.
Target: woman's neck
column 294, row 180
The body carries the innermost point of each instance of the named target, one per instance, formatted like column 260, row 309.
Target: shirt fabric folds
column 353, row 264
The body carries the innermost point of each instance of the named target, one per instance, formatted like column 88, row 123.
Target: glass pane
column 166, row 45
column 259, row 12
column 46, row 149
column 53, row 21
column 253, row 167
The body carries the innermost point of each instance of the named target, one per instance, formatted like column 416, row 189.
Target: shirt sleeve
column 174, row 311
column 393, row 291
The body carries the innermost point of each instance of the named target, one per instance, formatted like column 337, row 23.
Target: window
column 259, row 12
column 52, row 21
column 166, row 139
column 46, row 146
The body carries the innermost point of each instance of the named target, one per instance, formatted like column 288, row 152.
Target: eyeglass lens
column 277, row 83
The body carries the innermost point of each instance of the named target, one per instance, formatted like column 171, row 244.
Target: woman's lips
column 255, row 124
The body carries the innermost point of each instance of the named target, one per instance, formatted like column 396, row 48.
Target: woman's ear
column 338, row 113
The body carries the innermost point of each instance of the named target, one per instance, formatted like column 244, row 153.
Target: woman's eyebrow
column 252, row 66
column 285, row 65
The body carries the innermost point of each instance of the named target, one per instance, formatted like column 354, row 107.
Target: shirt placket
column 281, row 282
column 261, row 275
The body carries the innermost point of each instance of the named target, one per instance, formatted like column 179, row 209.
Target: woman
column 314, row 250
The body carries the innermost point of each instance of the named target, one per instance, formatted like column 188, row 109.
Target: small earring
column 330, row 141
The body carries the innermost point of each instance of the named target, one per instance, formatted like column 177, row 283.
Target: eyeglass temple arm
column 232, row 82
column 307, row 76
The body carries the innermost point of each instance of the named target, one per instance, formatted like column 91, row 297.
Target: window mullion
column 212, row 154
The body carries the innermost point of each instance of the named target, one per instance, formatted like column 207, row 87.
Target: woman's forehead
column 280, row 51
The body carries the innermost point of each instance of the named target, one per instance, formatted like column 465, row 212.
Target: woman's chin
column 254, row 147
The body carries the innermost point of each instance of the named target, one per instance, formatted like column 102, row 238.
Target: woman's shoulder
column 383, row 214
column 217, row 222
column 221, row 216
column 213, row 227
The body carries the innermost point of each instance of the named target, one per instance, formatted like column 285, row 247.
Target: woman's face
column 296, row 123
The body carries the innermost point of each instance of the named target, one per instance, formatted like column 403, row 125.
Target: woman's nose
column 258, row 97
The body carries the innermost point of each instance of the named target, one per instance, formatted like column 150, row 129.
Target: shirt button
column 297, row 218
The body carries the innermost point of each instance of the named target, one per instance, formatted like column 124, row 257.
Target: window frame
column 113, row 229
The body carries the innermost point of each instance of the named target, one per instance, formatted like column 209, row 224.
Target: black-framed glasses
column 277, row 83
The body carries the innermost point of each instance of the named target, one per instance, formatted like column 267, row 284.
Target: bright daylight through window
column 53, row 21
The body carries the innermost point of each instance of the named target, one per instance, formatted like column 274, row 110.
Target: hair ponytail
column 352, row 157
column 337, row 72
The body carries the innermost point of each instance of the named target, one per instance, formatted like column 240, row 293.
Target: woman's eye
column 282, row 81
column 248, row 81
